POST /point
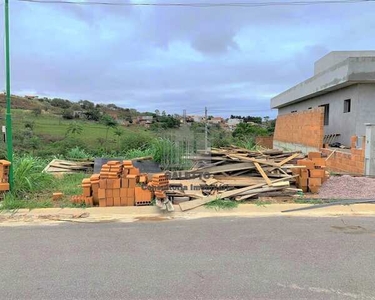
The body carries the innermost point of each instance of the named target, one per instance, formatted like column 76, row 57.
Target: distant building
column 216, row 120
column 232, row 123
column 197, row 119
column 344, row 86
column 145, row 121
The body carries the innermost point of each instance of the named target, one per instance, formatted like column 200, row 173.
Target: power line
column 200, row 5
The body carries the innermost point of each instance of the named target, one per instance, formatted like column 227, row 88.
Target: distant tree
column 266, row 119
column 164, row 114
column 85, row 104
column 68, row 114
column 57, row 102
column 245, row 130
column 271, row 126
column 76, row 106
column 74, row 129
column 168, row 122
column 93, row 114
column 157, row 112
column 117, row 131
column 109, row 122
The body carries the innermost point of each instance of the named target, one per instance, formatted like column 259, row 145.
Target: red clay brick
column 102, row 202
column 116, row 193
column 87, row 192
column 123, row 192
column 101, row 193
column 312, row 155
column 116, row 201
column 116, row 184
column 124, row 182
column 317, row 173
column 314, row 182
column 123, row 201
column 103, row 183
column 109, row 201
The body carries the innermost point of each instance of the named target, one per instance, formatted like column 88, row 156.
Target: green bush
column 248, row 130
column 78, row 153
column 28, row 176
column 139, row 140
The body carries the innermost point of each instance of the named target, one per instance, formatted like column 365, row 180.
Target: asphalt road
column 216, row 258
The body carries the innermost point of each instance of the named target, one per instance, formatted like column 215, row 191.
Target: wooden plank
column 196, row 203
column 283, row 162
column 227, row 168
column 264, row 175
column 68, row 167
column 244, row 197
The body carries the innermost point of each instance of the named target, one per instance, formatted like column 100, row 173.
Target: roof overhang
column 351, row 71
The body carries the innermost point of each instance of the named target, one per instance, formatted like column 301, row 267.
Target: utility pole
column 8, row 116
column 205, row 131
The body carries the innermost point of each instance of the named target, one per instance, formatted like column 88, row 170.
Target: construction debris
column 232, row 173
column 58, row 166
column 237, row 174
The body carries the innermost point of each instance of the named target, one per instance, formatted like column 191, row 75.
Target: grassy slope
column 52, row 125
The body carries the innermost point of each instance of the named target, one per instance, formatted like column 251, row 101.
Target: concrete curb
column 152, row 213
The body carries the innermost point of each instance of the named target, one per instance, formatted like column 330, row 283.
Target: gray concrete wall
column 336, row 57
column 293, row 147
column 347, row 124
column 366, row 108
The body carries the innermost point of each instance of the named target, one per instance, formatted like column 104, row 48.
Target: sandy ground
column 134, row 214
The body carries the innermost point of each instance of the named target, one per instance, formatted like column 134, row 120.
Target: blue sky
column 232, row 60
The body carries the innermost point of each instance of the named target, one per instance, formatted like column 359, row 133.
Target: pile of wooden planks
column 237, row 174
column 59, row 166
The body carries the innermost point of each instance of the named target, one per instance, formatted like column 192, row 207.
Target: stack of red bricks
column 159, row 184
column 4, row 175
column 313, row 175
column 118, row 184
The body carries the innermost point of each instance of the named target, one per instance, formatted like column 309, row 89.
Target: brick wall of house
column 351, row 162
column 264, row 141
column 303, row 128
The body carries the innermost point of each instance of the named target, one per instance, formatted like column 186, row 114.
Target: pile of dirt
column 348, row 187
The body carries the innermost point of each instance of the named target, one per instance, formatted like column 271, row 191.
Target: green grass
column 56, row 127
column 221, row 204
column 308, row 201
column 33, row 188
column 69, row 184
column 11, row 203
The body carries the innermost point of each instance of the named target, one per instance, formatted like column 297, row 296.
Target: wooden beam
column 264, row 175
column 283, row 162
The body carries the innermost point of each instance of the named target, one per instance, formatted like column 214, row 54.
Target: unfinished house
column 331, row 107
